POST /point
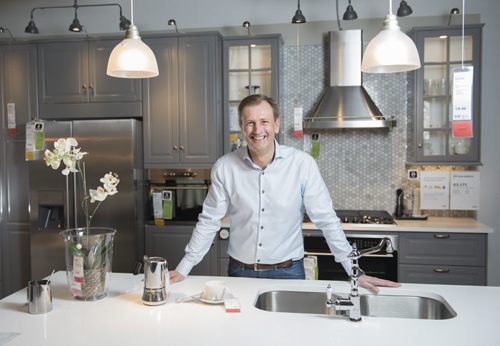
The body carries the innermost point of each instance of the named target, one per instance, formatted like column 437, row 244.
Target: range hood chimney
column 345, row 103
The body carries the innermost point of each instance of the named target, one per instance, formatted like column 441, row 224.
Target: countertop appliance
column 382, row 264
column 55, row 200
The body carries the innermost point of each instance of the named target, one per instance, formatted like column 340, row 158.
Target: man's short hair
column 254, row 100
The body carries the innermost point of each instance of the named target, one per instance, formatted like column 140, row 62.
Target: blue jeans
column 295, row 271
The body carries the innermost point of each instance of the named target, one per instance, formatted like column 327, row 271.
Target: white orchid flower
column 110, row 181
column 98, row 195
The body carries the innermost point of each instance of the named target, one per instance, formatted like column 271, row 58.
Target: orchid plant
column 67, row 152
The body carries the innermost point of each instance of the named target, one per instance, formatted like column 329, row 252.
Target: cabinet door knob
column 182, row 147
column 176, row 147
column 419, row 145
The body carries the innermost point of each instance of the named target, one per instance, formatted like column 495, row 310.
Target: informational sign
column 34, row 139
column 234, row 124
column 434, row 190
column 464, row 191
column 11, row 119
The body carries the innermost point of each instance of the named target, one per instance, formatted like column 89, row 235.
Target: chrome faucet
column 351, row 306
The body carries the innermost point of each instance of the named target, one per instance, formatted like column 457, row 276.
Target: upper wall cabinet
column 251, row 66
column 183, row 105
column 72, row 82
column 431, row 135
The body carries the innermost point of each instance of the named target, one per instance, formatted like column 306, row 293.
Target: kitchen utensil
column 39, row 296
column 400, row 208
column 188, row 298
column 155, row 292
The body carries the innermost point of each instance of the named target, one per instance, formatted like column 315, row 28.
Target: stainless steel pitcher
column 155, row 270
column 39, row 296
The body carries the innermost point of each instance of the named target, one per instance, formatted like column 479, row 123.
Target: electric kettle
column 155, row 270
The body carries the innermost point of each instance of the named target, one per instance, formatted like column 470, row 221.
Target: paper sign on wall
column 464, row 192
column 434, row 190
column 298, row 131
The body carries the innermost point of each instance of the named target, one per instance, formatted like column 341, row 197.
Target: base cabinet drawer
column 440, row 274
column 443, row 248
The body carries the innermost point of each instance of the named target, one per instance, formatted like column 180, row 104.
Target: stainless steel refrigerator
column 55, row 200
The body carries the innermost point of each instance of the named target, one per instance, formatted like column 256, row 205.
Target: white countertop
column 122, row 319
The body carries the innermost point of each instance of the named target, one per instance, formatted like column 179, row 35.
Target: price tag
column 462, row 93
column 11, row 119
column 298, row 131
column 78, row 269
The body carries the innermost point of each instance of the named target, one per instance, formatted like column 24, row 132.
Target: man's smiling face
column 259, row 128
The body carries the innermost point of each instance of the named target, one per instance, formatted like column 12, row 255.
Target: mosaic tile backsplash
column 362, row 168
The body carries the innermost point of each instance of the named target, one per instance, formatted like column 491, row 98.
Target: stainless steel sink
column 401, row 305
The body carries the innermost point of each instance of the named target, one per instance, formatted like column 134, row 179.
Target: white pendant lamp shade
column 390, row 50
column 132, row 58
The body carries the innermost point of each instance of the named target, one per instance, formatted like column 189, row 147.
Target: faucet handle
column 355, row 254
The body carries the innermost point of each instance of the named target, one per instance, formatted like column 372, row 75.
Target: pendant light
column 298, row 18
column 390, row 50
column 132, row 58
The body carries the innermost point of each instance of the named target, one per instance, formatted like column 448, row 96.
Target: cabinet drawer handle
column 84, row 86
column 176, row 147
column 182, row 147
column 441, row 236
column 91, row 86
column 441, row 270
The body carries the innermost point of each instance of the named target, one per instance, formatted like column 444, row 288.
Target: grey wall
column 274, row 17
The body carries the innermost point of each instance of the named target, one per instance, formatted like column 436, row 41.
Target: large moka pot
column 155, row 269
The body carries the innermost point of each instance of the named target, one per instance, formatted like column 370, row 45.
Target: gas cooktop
column 362, row 216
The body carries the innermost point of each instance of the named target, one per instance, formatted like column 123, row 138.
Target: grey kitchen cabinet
column 17, row 86
column 251, row 66
column 183, row 105
column 442, row 258
column 170, row 241
column 72, row 82
column 435, row 134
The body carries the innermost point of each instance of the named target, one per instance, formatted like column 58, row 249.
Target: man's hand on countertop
column 175, row 276
column 371, row 283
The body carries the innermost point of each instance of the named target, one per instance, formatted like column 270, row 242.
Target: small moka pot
column 155, row 292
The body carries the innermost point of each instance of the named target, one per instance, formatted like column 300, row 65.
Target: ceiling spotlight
column 31, row 28
column 172, row 22
column 452, row 12
column 299, row 17
column 246, row 24
column 404, row 9
column 349, row 13
column 75, row 26
column 124, row 23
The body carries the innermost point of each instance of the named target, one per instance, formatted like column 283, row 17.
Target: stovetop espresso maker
column 155, row 271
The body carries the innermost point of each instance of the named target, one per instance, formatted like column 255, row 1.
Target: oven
column 382, row 264
column 177, row 194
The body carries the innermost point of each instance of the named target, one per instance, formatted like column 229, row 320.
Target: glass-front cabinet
column 435, row 134
column 251, row 66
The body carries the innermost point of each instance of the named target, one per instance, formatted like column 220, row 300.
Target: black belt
column 261, row 267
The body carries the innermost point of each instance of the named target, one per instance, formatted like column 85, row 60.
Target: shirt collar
column 245, row 156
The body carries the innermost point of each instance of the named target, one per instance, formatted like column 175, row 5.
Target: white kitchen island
column 122, row 319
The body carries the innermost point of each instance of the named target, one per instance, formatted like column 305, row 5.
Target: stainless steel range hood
column 345, row 103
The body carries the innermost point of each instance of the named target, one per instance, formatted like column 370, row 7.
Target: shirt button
column 262, row 191
column 261, row 227
column 258, row 260
column 262, row 209
column 262, row 173
column 260, row 244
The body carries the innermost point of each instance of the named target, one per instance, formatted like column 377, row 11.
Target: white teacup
column 214, row 290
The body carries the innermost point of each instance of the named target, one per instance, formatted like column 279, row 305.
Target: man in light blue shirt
column 264, row 188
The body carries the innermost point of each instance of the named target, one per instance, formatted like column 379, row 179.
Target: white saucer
column 227, row 295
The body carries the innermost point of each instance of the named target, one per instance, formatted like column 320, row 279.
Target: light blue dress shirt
column 266, row 208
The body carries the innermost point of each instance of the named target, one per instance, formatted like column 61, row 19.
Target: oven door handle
column 309, row 253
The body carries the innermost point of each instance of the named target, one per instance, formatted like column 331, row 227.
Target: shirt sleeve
column 319, row 208
column 215, row 207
